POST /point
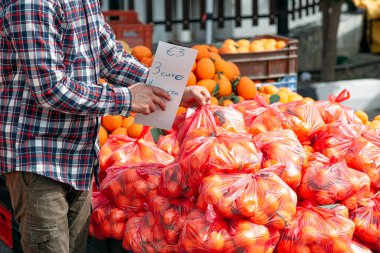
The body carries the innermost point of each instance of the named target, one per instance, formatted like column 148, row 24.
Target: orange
column 243, row 43
column 256, row 48
column 362, row 116
column 135, row 130
column 214, row 101
column 110, row 123
column 269, row 47
column 225, row 86
column 227, row 50
column 216, row 241
column 285, row 89
column 205, row 69
column 242, row 50
column 284, row 96
column 128, row 121
column 101, row 81
column 215, row 56
column 192, row 79
column 270, row 89
column 377, row 117
column 208, row 83
column 222, row 66
column 280, row 44
column 295, row 97
column 120, row 130
column 241, row 99
column 340, row 246
column 181, row 110
column 235, row 69
column 229, row 42
column 227, row 102
column 103, row 136
column 203, row 51
column 194, row 66
column 308, row 99
column 246, row 88
column 125, row 46
column 213, row 49
column 147, row 61
column 141, row 52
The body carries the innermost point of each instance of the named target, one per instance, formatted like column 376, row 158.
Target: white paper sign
column 170, row 71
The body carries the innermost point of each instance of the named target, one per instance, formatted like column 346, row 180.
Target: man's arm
column 116, row 65
column 34, row 29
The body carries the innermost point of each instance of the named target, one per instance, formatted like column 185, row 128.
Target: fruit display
column 261, row 169
column 245, row 46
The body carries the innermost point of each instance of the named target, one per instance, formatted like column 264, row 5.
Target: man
column 52, row 53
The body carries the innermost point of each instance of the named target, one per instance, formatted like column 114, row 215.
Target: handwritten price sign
column 170, row 70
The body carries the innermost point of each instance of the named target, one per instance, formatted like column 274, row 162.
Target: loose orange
column 284, row 96
column 246, row 88
column 128, row 121
column 235, row 69
column 227, row 50
column 280, row 44
column 205, row 69
column 203, row 51
column 377, row 117
column 213, row 49
column 141, row 52
column 135, row 130
column 192, row 79
column 295, row 97
column 103, row 136
column 181, row 110
column 222, row 66
column 229, row 42
column 242, row 50
column 225, row 86
column 270, row 89
column 362, row 116
column 214, row 101
column 243, row 43
column 256, row 48
column 147, row 61
column 227, row 102
column 194, row 66
column 101, row 81
column 208, row 83
column 110, row 123
column 119, row 130
column 215, row 56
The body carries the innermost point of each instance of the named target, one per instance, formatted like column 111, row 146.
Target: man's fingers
column 160, row 102
column 152, row 107
column 206, row 94
column 199, row 97
column 161, row 93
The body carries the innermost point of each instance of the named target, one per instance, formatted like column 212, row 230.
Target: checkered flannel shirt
column 52, row 54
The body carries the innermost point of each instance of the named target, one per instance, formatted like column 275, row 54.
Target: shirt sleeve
column 34, row 28
column 116, row 65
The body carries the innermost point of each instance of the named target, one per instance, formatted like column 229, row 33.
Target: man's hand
column 195, row 96
column 145, row 98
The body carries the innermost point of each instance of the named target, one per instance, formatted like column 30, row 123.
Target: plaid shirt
column 52, row 53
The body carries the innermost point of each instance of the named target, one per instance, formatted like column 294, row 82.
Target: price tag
column 170, row 71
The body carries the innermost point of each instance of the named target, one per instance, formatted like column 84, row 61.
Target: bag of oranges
column 367, row 221
column 173, row 183
column 228, row 118
column 208, row 232
column 106, row 220
column 123, row 150
column 364, row 156
column 333, row 110
column 282, row 148
column 206, row 151
column 169, row 144
column 357, row 247
column 170, row 215
column 309, row 115
column 246, row 106
column 130, row 187
column 261, row 197
column 332, row 181
column 142, row 235
column 337, row 138
column 317, row 230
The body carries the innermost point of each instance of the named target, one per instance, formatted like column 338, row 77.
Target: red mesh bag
column 331, row 181
column 130, row 187
column 207, row 151
column 142, row 235
column 336, row 139
column 317, row 230
column 282, row 148
column 357, row 247
column 228, row 118
column 106, row 220
column 367, row 221
column 173, row 183
column 308, row 114
column 364, row 156
column 123, row 150
column 333, row 110
column 246, row 106
column 170, row 215
column 169, row 144
column 208, row 232
column 262, row 197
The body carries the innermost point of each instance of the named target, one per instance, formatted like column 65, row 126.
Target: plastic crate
column 6, row 228
column 128, row 28
column 286, row 82
column 268, row 64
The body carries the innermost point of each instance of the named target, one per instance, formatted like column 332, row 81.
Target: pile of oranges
column 245, row 46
